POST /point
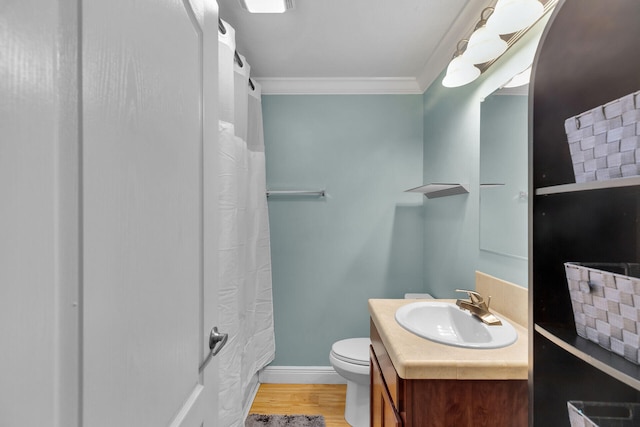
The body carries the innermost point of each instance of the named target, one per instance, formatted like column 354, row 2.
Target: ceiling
column 351, row 46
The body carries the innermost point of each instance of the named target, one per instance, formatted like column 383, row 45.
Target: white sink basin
column 446, row 323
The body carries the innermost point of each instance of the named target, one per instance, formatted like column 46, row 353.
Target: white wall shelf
column 434, row 190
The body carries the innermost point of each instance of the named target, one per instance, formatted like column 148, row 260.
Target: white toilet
column 350, row 359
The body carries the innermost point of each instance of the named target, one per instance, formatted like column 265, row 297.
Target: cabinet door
column 383, row 413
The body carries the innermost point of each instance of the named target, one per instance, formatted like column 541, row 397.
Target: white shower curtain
column 245, row 299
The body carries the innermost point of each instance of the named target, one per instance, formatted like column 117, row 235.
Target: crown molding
column 339, row 86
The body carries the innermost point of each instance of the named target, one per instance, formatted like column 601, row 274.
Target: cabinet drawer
column 391, row 379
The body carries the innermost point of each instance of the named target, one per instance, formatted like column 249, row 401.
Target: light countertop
column 418, row 358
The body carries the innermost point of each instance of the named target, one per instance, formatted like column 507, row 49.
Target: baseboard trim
column 251, row 397
column 300, row 375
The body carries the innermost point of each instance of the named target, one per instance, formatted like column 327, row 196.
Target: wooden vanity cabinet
column 396, row 401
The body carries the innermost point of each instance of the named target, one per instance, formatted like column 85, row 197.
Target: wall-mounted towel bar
column 319, row 193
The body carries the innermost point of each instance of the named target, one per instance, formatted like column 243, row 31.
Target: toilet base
column 356, row 411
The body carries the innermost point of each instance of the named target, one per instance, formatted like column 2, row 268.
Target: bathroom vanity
column 417, row 382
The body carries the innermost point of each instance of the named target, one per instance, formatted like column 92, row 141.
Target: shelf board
column 434, row 190
column 588, row 186
column 598, row 357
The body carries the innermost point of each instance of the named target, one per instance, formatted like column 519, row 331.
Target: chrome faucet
column 478, row 307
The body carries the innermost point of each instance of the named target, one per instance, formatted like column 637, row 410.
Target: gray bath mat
column 257, row 420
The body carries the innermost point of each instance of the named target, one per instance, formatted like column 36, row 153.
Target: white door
column 38, row 214
column 149, row 126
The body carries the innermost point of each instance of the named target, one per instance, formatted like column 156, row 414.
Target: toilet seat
column 352, row 350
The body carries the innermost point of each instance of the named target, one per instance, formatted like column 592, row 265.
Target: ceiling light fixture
column 460, row 70
column 267, row 6
column 514, row 15
column 484, row 44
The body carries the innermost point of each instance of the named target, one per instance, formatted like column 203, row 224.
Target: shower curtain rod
column 237, row 58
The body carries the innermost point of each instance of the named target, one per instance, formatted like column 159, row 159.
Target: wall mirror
column 504, row 172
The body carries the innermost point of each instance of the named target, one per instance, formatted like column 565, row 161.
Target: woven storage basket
column 603, row 414
column 605, row 141
column 606, row 305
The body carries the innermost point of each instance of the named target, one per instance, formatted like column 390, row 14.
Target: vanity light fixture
column 460, row 70
column 520, row 79
column 484, row 44
column 498, row 29
column 510, row 16
column 267, row 6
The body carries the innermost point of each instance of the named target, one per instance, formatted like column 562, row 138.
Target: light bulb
column 460, row 72
column 520, row 79
column 484, row 45
column 510, row 16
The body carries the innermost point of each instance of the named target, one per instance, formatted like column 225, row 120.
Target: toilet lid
column 352, row 350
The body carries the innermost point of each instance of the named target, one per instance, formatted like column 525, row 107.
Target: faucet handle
column 474, row 296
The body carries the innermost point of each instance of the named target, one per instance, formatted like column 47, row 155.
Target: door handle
column 217, row 340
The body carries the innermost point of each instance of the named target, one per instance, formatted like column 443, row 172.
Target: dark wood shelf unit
column 587, row 57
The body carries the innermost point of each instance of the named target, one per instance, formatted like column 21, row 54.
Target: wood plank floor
column 305, row 399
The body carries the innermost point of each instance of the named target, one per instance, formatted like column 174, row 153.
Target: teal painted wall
column 365, row 238
column 452, row 154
